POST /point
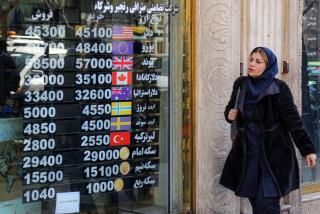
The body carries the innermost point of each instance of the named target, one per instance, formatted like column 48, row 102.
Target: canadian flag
column 122, row 78
column 120, row 138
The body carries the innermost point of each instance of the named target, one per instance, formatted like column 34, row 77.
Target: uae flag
column 122, row 33
column 119, row 138
column 121, row 78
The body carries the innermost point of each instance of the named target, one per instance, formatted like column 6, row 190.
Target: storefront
column 226, row 32
column 95, row 106
column 310, row 88
column 117, row 106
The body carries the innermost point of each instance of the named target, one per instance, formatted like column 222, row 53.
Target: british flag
column 122, row 62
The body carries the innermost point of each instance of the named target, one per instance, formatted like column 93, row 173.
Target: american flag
column 122, row 33
column 122, row 63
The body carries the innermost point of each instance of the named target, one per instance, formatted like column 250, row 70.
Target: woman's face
column 256, row 65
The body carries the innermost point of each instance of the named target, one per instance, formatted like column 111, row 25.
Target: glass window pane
column 311, row 83
column 84, row 105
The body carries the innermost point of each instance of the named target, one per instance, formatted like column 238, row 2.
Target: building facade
column 117, row 106
column 233, row 28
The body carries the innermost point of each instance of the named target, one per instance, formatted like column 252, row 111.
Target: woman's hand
column 311, row 159
column 233, row 113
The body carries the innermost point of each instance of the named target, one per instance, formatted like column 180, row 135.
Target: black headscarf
column 256, row 85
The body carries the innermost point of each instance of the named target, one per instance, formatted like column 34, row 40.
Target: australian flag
column 121, row 93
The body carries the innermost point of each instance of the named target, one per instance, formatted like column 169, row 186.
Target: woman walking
column 262, row 163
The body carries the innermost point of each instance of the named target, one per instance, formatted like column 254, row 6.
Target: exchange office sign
column 92, row 85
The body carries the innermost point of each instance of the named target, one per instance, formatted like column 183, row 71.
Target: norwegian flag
column 122, row 63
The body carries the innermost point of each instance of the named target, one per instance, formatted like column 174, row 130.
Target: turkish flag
column 120, row 138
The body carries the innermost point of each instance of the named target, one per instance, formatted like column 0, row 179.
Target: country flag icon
column 122, row 78
column 122, row 48
column 120, row 138
column 121, row 93
column 121, row 108
column 120, row 123
column 122, row 63
column 122, row 33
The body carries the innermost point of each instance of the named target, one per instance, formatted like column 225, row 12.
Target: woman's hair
column 261, row 51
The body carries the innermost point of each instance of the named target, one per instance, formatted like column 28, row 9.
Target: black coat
column 281, row 127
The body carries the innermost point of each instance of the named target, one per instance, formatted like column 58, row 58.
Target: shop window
column 311, row 89
column 86, row 118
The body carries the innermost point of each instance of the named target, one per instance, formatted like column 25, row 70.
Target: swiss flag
column 120, row 138
column 122, row 78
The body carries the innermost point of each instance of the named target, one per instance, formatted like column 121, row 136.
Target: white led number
column 93, row 63
column 43, row 96
column 98, row 32
column 47, row 63
column 96, row 109
column 40, row 128
column 58, row 31
column 94, row 48
column 27, row 79
column 88, row 79
column 95, row 125
column 95, row 140
column 39, row 112
column 45, row 79
column 101, row 171
column 39, row 194
column 94, row 156
column 46, row 160
column 93, row 94
column 97, row 187
column 43, row 177
column 50, row 45
column 38, row 144
column 53, row 79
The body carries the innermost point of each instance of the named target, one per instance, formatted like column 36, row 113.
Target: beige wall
column 217, row 65
column 226, row 31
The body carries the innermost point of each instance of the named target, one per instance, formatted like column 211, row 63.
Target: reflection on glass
column 84, row 105
column 310, row 83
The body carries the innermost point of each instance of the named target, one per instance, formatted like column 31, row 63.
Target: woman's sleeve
column 232, row 100
column 294, row 122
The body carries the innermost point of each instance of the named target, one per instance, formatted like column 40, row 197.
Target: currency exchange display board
column 92, row 79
